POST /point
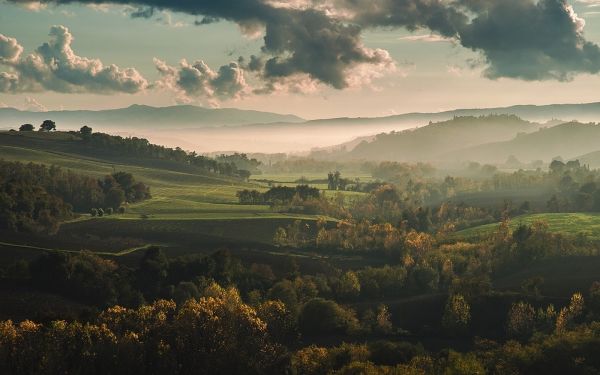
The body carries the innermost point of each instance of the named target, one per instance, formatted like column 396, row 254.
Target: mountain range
column 145, row 117
column 214, row 129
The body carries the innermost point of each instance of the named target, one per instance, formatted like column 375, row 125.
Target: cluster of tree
column 400, row 173
column 238, row 165
column 241, row 161
column 37, row 197
column 219, row 331
column 577, row 188
column 336, row 182
column 46, row 126
column 278, row 195
column 141, row 147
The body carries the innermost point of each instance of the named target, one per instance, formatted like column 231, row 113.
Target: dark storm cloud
column 531, row 41
column 321, row 39
column 523, row 39
column 297, row 41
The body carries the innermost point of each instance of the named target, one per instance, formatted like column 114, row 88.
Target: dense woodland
column 380, row 283
column 35, row 197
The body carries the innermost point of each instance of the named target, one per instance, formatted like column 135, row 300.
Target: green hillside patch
column 571, row 224
column 187, row 211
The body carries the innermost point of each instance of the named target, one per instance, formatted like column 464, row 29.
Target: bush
column 321, row 317
column 94, row 212
column 122, row 210
column 100, row 212
column 109, row 211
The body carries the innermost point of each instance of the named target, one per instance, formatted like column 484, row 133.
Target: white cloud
column 199, row 81
column 104, row 8
column 430, row 38
column 54, row 66
column 33, row 105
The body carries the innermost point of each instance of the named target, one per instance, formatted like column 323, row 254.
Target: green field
column 567, row 223
column 188, row 211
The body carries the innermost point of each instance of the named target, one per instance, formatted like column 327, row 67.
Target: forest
column 381, row 282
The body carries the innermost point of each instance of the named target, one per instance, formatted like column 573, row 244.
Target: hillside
column 144, row 117
column 570, row 224
column 188, row 207
column 568, row 141
column 591, row 158
column 214, row 130
column 432, row 141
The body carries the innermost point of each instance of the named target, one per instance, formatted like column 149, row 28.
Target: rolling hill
column 213, row 130
column 188, row 207
column 568, row 141
column 144, row 117
column 434, row 140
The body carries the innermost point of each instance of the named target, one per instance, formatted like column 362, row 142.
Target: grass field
column 567, row 223
column 186, row 208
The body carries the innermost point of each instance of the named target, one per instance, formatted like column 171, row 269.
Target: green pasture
column 567, row 223
column 185, row 207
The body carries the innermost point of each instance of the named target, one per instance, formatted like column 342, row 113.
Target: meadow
column 186, row 209
column 571, row 224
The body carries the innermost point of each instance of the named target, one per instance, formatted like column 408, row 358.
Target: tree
column 86, row 131
column 321, row 317
column 48, row 125
column 348, row 286
column 521, row 320
column 457, row 315
column 115, row 197
column 26, row 128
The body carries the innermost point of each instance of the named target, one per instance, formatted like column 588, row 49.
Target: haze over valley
column 332, row 187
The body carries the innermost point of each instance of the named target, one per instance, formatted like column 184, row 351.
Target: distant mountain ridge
column 431, row 142
column 569, row 141
column 142, row 116
column 212, row 130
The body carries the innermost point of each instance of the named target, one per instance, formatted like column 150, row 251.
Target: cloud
column 54, row 66
column 297, row 42
column 35, row 6
column 198, row 80
column 320, row 40
column 430, row 38
column 531, row 40
column 103, row 8
column 33, row 105
column 10, row 50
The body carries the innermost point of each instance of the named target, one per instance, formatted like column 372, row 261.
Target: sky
column 312, row 58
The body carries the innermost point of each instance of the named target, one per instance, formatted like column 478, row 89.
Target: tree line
column 36, row 197
column 237, row 165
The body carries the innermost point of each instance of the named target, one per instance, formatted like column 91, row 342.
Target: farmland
column 570, row 224
column 185, row 207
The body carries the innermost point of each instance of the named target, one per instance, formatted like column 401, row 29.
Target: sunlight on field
column 567, row 223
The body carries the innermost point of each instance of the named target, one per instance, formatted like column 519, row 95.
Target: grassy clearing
column 568, row 223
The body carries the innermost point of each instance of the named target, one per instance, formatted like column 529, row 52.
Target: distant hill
column 432, row 141
column 569, row 141
column 213, row 130
column 144, row 117
column 591, row 158
column 537, row 113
